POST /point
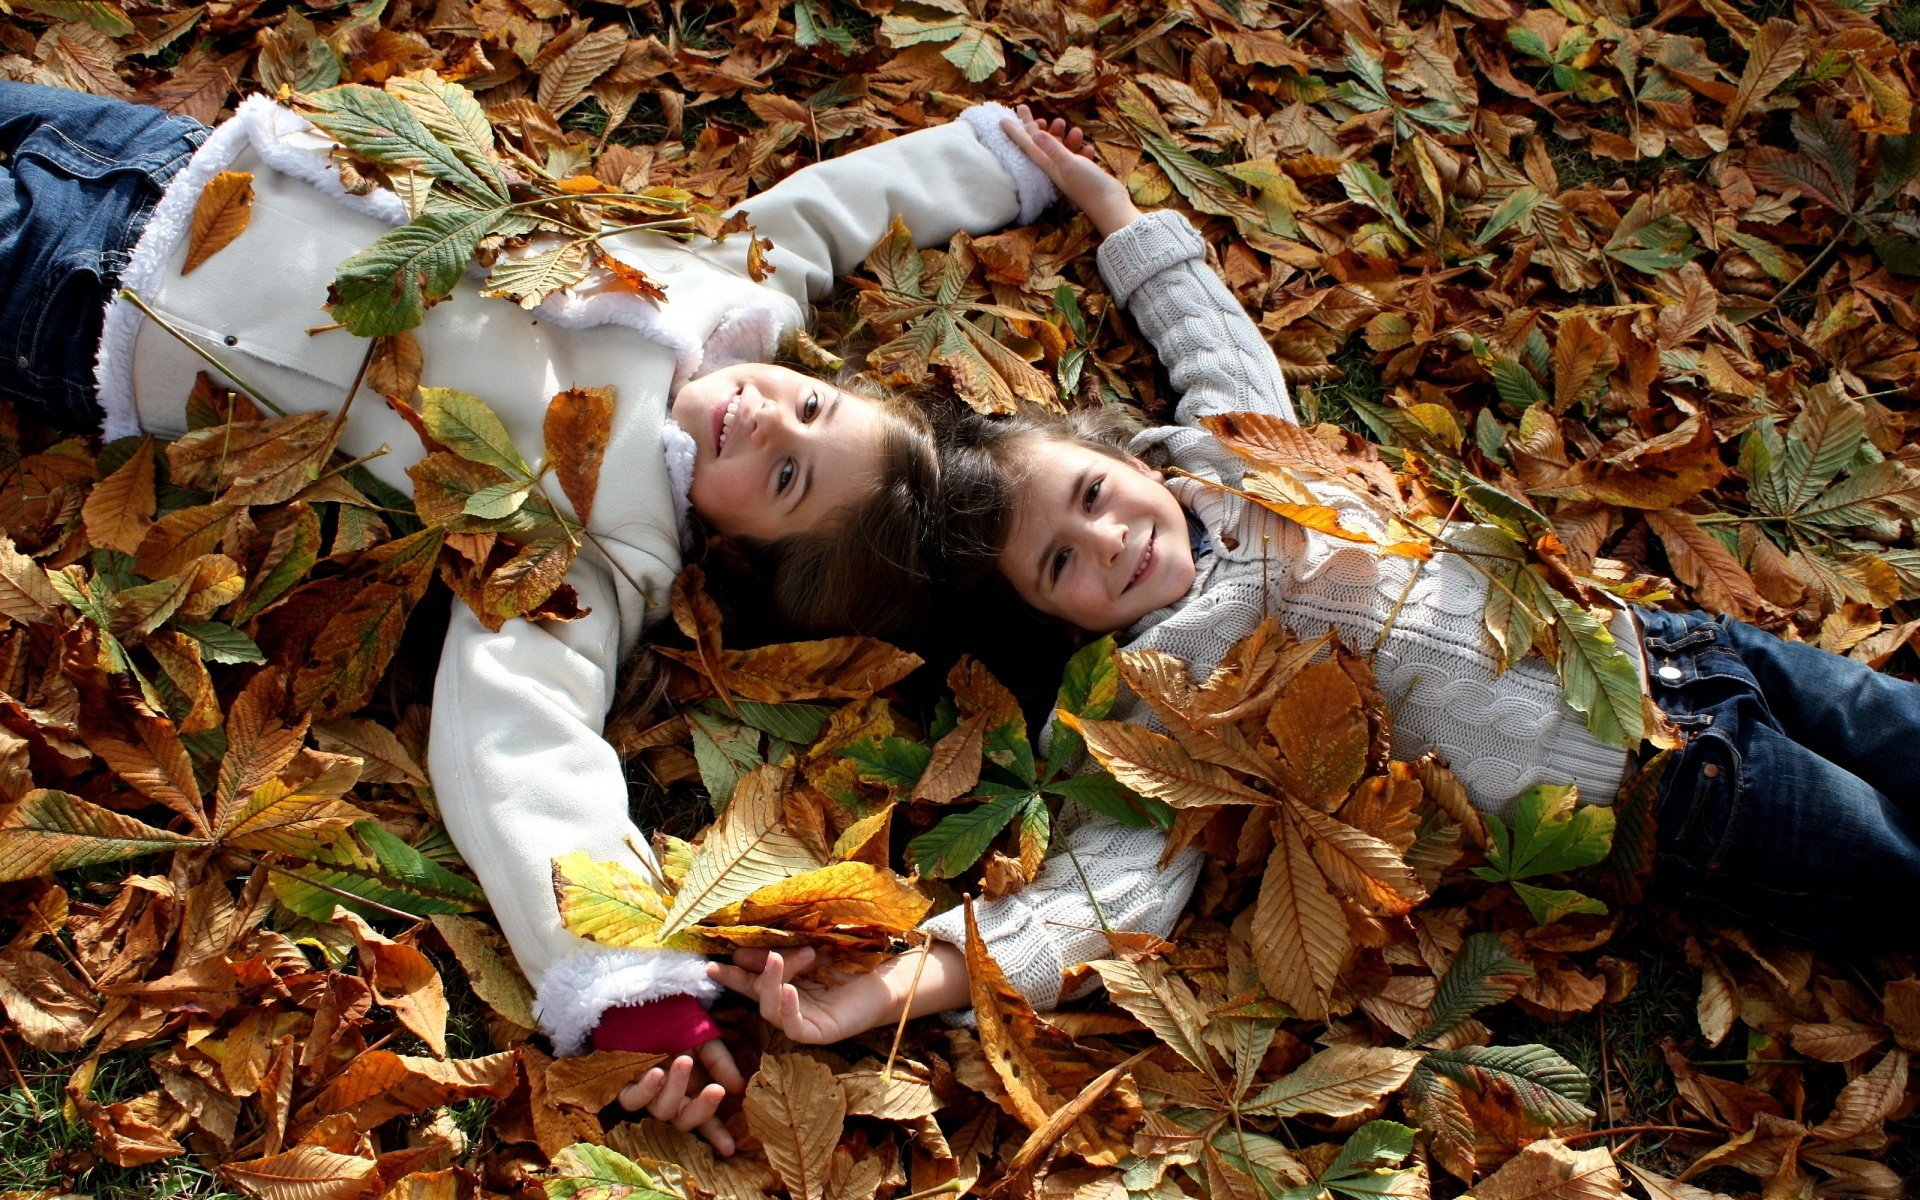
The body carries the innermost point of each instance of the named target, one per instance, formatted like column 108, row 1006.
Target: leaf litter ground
column 1647, row 274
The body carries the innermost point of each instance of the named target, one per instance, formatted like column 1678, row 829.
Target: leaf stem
column 134, row 298
column 329, row 888
column 906, row 1010
column 1624, row 1130
column 949, row 1188
column 1825, row 250
column 20, row 1079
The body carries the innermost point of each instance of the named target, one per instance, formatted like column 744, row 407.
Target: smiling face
column 1097, row 541
column 780, row 453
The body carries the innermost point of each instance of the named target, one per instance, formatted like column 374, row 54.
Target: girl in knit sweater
column 1788, row 804
column 97, row 195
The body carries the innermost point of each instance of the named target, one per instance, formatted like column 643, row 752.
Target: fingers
column 735, row 979
column 639, row 1094
column 718, row 1137
column 771, row 980
column 719, row 1063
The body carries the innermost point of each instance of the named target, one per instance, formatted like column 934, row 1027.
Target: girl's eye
column 785, row 479
column 811, row 408
column 1059, row 564
column 1093, row 493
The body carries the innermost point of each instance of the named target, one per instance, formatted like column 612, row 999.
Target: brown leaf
column 955, row 766
column 492, row 976
column 379, row 1085
column 1322, row 733
column 1868, row 1100
column 592, row 1081
column 795, row 1107
column 842, row 668
column 1155, row 765
column 1701, row 562
column 307, row 1173
column 578, row 425
column 1550, row 1170
column 1777, row 51
column 1300, row 934
column 50, row 1009
column 402, row 978
column 220, row 215
column 120, row 508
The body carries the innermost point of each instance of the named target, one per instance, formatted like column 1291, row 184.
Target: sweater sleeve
column 823, row 219
column 1156, row 268
column 1096, row 868
column 523, row 776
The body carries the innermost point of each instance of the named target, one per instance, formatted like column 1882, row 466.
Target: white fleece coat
column 518, row 762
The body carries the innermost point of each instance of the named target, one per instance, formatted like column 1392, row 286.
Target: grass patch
column 1333, row 401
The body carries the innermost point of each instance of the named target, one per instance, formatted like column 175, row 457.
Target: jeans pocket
column 1699, row 809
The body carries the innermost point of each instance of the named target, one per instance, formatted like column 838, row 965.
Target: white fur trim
column 680, row 450
column 287, row 143
column 1030, row 183
column 576, row 990
column 749, row 330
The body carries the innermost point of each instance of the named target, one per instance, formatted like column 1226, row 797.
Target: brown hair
column 985, row 468
column 866, row 570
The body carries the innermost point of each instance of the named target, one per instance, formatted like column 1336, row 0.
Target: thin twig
column 906, row 1010
column 1624, row 1130
column 134, row 298
column 21, row 1080
column 66, row 951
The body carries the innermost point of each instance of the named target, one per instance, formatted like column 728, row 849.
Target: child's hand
column 1061, row 152
column 815, row 1012
column 807, row 1010
column 682, row 1094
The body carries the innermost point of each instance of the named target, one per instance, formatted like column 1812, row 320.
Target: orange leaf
column 578, row 426
column 120, row 508
column 219, row 216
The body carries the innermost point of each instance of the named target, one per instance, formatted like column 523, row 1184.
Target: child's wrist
column 1111, row 220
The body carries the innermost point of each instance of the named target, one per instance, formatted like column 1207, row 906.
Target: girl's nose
column 1110, row 539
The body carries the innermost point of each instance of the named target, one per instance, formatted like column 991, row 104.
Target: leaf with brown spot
column 492, row 976
column 220, row 215
column 1551, row 1170
column 403, row 979
column 1322, row 733
column 845, row 893
column 578, row 426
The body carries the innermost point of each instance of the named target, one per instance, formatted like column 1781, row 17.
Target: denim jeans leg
column 79, row 176
column 1851, row 714
column 1754, row 822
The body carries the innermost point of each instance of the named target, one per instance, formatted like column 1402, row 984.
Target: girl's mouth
column 1146, row 562
column 723, row 423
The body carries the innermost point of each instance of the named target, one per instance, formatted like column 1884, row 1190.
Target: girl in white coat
column 98, row 196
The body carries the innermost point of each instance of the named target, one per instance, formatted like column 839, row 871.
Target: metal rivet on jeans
column 21, row 362
column 1670, row 673
column 1711, row 771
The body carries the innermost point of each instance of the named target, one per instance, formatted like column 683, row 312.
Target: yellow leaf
column 1340, row 1081
column 219, row 216
column 1322, row 732
column 307, row 1173
column 846, row 893
column 744, row 852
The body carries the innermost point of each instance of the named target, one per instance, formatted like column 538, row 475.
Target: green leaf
column 465, row 425
column 724, row 749
column 1553, row 833
column 977, row 53
column 1469, row 985
column 1364, row 185
column 1822, row 440
column 222, row 643
column 499, row 501
column 1548, row 905
column 901, row 31
column 1206, row 188
column 1375, row 1145
column 811, row 26
column 385, row 288
column 1596, row 674
column 896, row 762
column 1520, row 203
column 584, row 1171
column 49, row 830
column 1517, row 388
column 384, row 129
column 449, row 113
column 377, row 866
column 107, row 18
column 958, row 841
column 800, row 723
column 1104, row 794
column 1662, row 244
column 1551, row 1090
column 1069, row 306
column 1088, row 688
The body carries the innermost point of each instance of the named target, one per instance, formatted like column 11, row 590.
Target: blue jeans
column 81, row 174
column 1795, row 802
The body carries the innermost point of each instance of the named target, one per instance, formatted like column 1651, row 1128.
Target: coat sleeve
column 1099, row 874
column 1156, row 269
column 825, row 218
column 524, row 775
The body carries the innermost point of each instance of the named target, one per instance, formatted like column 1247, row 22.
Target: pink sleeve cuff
column 669, row 1025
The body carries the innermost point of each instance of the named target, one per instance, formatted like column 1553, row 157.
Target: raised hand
column 1060, row 150
column 688, row 1091
column 808, row 1010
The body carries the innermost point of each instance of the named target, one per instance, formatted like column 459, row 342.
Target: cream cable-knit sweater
column 519, row 766
column 1502, row 732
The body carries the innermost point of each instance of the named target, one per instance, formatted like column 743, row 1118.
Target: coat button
column 1670, row 673
column 231, row 340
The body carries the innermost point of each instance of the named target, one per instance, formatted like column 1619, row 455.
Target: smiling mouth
column 723, row 424
column 1146, row 562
